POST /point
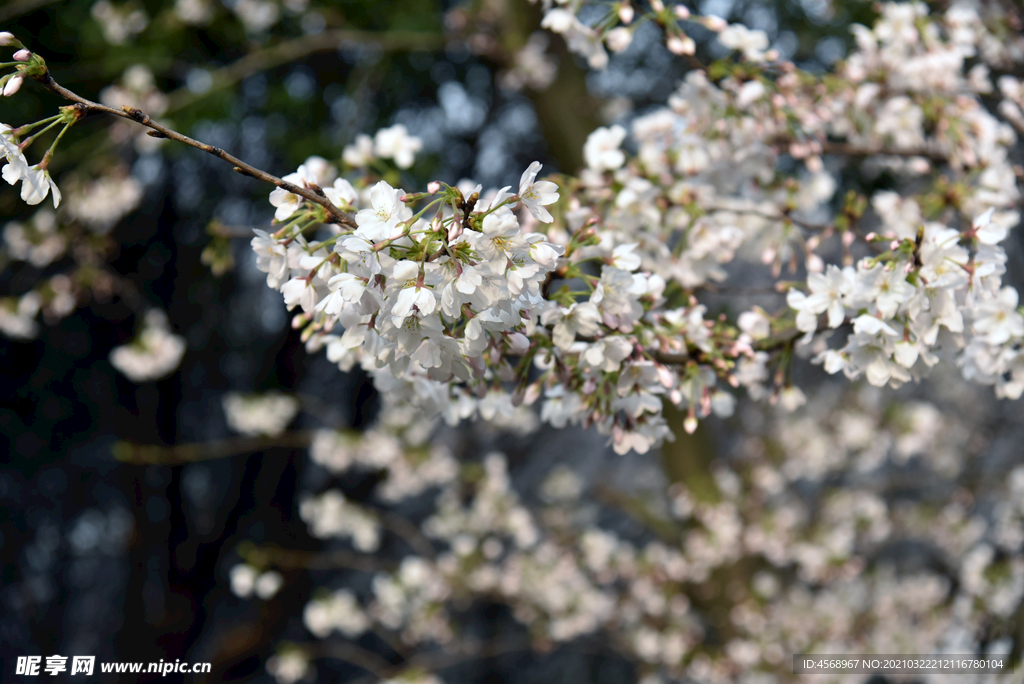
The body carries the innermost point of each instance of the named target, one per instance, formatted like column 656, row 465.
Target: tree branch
column 779, row 339
column 292, row 559
column 851, row 150
column 160, row 131
column 155, row 454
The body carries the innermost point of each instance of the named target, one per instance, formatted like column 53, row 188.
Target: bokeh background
column 129, row 561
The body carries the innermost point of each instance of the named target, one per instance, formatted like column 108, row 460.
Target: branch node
column 239, row 169
column 135, row 114
column 155, row 134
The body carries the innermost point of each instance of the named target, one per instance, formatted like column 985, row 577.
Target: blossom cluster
column 803, row 500
column 587, row 295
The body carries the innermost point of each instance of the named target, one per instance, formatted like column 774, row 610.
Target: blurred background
column 130, row 561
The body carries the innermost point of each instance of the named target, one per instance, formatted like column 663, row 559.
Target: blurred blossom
column 259, row 414
column 154, row 354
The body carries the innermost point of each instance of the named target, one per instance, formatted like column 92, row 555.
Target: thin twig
column 155, row 454
column 407, row 531
column 851, row 150
column 776, row 341
column 136, row 115
column 294, row 559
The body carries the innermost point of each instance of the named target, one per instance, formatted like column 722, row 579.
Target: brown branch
column 293, row 559
column 155, row 454
column 160, row 131
column 851, row 150
column 407, row 531
column 776, row 341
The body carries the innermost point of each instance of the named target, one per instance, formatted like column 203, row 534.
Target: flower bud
column 618, row 39
column 715, row 24
column 518, row 343
column 625, row 13
column 682, row 12
column 690, row 424
column 13, row 85
column 433, row 187
column 7, row 38
column 681, row 45
column 22, row 55
column 532, row 393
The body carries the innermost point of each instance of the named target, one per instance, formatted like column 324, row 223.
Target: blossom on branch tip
column 36, row 184
column 536, row 194
column 288, row 203
column 13, row 85
column 16, row 166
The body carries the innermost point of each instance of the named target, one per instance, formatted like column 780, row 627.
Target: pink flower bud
column 870, row 237
column 657, row 6
column 433, row 187
column 7, row 38
column 518, row 343
column 682, row 12
column 13, row 85
column 22, row 55
column 715, row 24
column 625, row 13
column 690, row 424
column 532, row 394
column 849, row 237
column 681, row 45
